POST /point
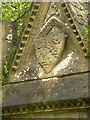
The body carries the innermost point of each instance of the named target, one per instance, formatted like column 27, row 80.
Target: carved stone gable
column 52, row 43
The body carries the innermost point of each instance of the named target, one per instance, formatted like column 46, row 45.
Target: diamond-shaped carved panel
column 49, row 48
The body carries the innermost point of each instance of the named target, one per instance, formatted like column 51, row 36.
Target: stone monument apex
column 52, row 43
column 50, row 69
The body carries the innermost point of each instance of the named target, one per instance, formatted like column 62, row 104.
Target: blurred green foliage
column 87, row 40
column 7, row 65
column 14, row 11
column 86, row 32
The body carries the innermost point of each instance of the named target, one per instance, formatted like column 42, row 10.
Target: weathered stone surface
column 51, row 89
column 8, row 36
column 51, row 65
column 47, row 115
column 53, row 44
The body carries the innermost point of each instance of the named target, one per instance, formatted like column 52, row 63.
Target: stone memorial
column 49, row 76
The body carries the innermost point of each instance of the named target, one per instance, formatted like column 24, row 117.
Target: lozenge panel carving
column 49, row 48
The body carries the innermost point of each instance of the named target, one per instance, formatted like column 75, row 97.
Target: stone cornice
column 82, row 104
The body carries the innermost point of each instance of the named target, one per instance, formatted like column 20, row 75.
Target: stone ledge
column 53, row 89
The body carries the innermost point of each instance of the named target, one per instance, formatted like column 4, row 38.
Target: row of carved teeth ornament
column 25, row 37
column 78, row 37
column 62, row 105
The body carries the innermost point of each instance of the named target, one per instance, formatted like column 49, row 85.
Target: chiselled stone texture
column 51, row 89
column 63, row 94
column 78, row 21
column 56, row 109
column 52, row 44
column 50, row 71
column 49, row 45
column 25, row 35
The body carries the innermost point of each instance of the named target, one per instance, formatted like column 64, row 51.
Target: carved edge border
column 53, row 21
column 82, row 104
column 24, row 38
column 76, row 32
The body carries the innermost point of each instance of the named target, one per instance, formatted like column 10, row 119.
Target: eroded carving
column 82, row 16
column 49, row 46
column 53, row 11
